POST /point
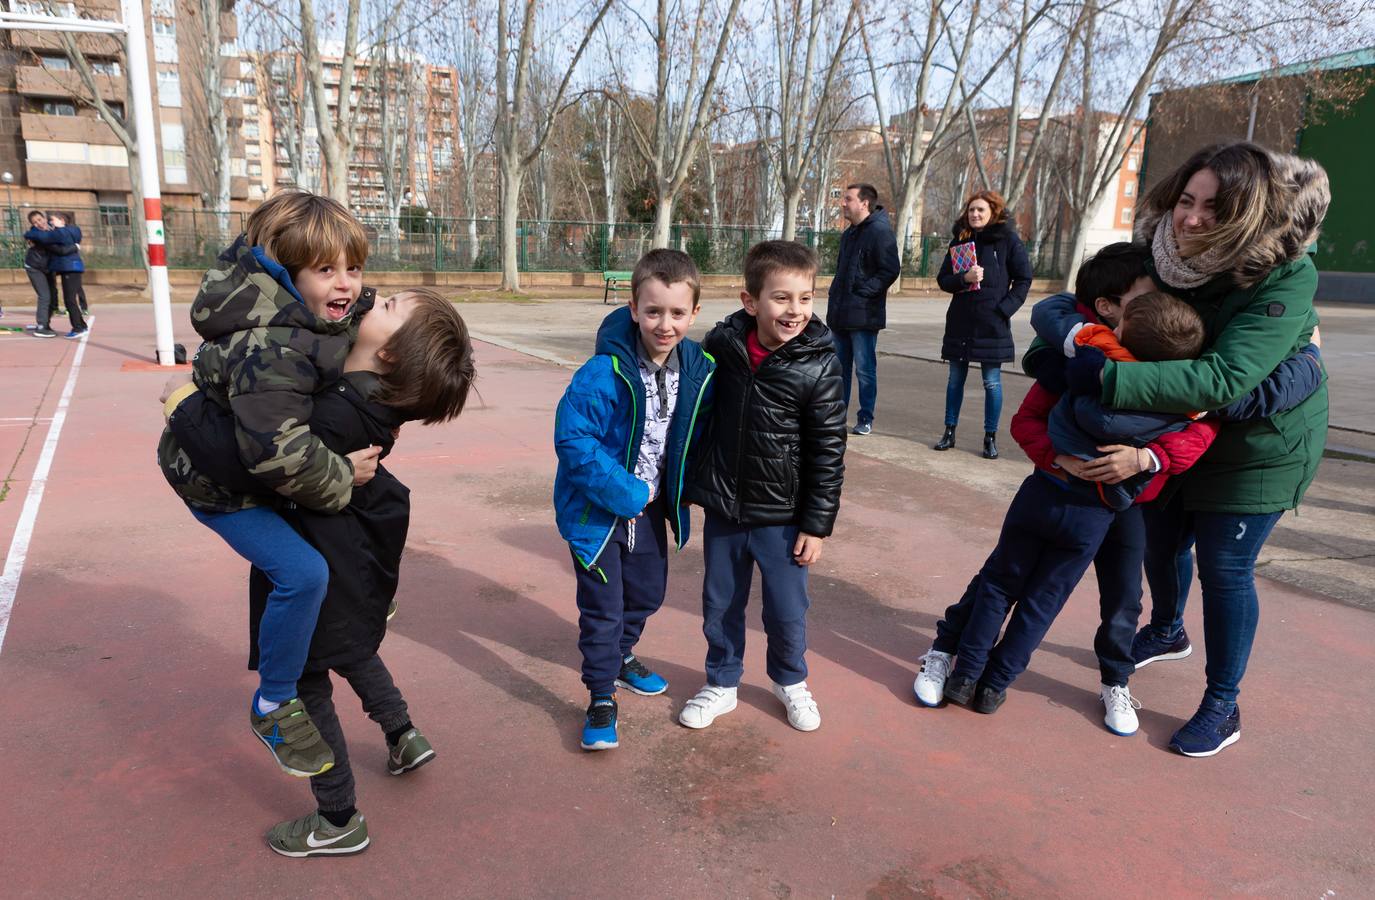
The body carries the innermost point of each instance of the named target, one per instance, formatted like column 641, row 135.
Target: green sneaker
column 293, row 739
column 411, row 752
column 312, row 835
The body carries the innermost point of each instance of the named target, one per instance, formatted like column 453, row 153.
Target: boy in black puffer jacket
column 769, row 477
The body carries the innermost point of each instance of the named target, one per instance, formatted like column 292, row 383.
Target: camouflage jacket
column 263, row 355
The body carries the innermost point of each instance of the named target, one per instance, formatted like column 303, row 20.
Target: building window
column 169, row 88
column 250, row 130
column 116, row 216
column 57, row 108
column 107, row 155
column 250, row 110
column 253, row 151
column 1132, row 163
column 39, row 8
column 55, row 63
column 255, row 170
column 174, row 153
column 1129, row 189
column 107, row 67
column 1127, row 216
column 165, row 40
column 167, row 26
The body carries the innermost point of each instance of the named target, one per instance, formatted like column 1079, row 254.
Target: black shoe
column 959, row 690
column 43, row 331
column 990, row 445
column 987, row 700
column 947, row 440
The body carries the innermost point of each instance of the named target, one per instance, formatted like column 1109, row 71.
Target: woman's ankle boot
column 990, row 445
column 947, row 440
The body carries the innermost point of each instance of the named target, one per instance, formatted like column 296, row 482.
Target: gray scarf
column 1173, row 269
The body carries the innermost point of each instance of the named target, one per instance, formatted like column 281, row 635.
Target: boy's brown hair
column 299, row 229
column 1156, row 327
column 767, row 257
column 431, row 361
column 669, row 267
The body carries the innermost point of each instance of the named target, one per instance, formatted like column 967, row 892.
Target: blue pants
column 299, row 577
column 859, row 350
column 1118, row 567
column 1049, row 537
column 993, row 393
column 731, row 552
column 1226, row 546
column 612, row 613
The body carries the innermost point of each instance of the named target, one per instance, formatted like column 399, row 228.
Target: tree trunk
column 510, row 215
column 214, row 107
column 792, row 197
column 663, row 220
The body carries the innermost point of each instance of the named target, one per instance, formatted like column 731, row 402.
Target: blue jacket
column 67, row 234
column 867, row 266
column 597, row 431
column 1079, row 425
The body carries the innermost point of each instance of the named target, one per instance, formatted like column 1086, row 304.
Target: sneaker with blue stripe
column 599, row 729
column 292, row 738
column 635, row 677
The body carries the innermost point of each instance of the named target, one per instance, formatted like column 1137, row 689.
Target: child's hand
column 1118, row 463
column 172, row 384
column 364, row 464
column 1071, row 464
column 1316, row 339
column 807, row 550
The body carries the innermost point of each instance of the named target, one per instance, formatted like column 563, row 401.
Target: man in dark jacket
column 857, row 305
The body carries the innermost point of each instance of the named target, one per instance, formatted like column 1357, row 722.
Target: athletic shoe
column 599, row 729
column 76, row 332
column 292, row 738
column 930, row 683
column 1153, row 644
column 43, row 332
column 33, row 327
column 411, row 752
column 638, row 679
column 1119, row 709
column 959, row 690
column 391, row 610
column 987, row 700
column 711, row 701
column 797, row 700
column 313, row 835
column 864, row 428
column 1215, row 726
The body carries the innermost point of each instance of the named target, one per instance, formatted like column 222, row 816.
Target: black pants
column 1118, row 567
column 382, row 702
column 74, row 297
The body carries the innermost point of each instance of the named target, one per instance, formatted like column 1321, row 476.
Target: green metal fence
column 194, row 237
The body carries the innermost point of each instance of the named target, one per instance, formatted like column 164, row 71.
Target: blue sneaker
column 1153, row 644
column 864, row 428
column 636, row 678
column 599, row 731
column 1216, row 725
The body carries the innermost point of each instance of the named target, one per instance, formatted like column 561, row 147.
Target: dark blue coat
column 52, row 237
column 867, row 266
column 977, row 323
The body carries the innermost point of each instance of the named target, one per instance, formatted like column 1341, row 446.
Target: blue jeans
column 1225, row 547
column 993, row 393
column 859, row 350
column 299, row 578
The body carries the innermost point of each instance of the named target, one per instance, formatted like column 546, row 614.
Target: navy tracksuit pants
column 1049, row 537
column 731, row 552
column 612, row 613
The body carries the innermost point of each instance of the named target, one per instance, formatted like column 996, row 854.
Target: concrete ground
column 129, row 769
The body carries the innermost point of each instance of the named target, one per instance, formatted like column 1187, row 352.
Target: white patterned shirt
column 661, row 397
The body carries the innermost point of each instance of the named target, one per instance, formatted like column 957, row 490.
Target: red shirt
column 758, row 352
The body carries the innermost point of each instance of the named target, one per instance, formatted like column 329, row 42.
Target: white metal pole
column 141, row 91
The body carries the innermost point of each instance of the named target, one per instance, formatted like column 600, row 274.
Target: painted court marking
column 23, row 529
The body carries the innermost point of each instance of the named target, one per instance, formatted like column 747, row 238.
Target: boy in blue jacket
column 622, row 433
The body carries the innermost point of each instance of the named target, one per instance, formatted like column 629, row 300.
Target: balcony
column 77, row 176
column 74, row 129
column 36, row 81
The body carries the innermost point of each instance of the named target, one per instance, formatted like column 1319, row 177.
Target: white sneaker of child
column 802, row 712
column 711, row 701
column 1120, row 710
column 930, row 683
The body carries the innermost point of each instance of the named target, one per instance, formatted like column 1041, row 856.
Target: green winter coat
column 1259, row 466
column 264, row 355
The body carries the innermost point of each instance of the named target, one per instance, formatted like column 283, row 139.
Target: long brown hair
column 997, row 208
column 430, row 361
column 1269, row 207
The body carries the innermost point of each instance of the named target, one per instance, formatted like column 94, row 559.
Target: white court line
column 23, row 529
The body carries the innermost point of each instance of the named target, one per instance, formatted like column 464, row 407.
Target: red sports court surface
column 129, row 769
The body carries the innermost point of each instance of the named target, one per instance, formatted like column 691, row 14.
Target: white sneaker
column 711, row 701
column 1121, row 709
column 802, row 712
column 930, row 683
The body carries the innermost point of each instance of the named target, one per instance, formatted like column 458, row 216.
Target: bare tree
column 395, row 82
column 609, row 156
column 335, row 129
column 210, row 70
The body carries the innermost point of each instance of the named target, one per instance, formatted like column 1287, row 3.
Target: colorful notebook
column 963, row 258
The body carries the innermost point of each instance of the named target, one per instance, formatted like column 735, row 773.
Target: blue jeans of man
column 612, row 612
column 993, row 393
column 858, row 350
column 731, row 552
column 1225, row 547
column 1049, row 537
column 299, row 578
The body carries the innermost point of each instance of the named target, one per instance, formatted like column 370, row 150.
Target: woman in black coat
column 977, row 324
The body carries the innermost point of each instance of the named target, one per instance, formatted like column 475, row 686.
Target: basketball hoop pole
column 136, row 51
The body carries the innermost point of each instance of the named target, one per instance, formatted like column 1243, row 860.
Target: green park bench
column 614, row 281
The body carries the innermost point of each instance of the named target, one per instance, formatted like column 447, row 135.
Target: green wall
column 1344, row 142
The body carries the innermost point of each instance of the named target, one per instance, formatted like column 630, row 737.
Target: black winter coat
column 978, row 323
column 774, row 452
column 867, row 266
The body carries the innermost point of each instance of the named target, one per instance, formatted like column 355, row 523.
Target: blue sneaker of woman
column 599, row 730
column 635, row 677
column 1216, row 725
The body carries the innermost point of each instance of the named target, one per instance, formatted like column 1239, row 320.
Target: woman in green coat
column 1228, row 232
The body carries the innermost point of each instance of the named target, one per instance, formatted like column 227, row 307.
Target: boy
column 623, row 432
column 276, row 317
column 770, row 478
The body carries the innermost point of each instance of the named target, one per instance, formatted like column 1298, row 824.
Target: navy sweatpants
column 1049, row 537
column 731, row 552
column 612, row 613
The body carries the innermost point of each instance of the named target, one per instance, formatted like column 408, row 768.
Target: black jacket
column 867, row 266
column 774, row 452
column 977, row 324
column 38, row 256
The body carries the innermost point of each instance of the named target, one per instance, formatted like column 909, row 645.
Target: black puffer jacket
column 775, row 447
column 977, row 323
column 868, row 265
